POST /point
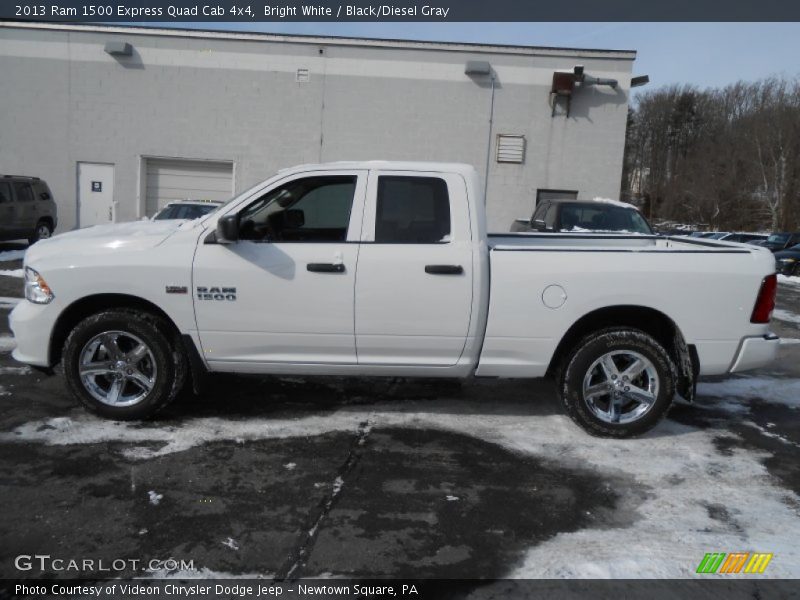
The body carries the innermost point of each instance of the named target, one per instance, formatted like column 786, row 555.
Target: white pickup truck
column 386, row 269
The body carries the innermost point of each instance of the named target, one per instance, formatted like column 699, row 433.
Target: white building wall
column 236, row 98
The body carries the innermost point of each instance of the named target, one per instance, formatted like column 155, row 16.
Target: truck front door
column 414, row 285
column 284, row 292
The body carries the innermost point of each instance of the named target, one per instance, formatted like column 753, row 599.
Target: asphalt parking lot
column 291, row 477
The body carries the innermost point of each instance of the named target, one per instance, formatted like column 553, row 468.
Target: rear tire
column 617, row 382
column 42, row 231
column 123, row 364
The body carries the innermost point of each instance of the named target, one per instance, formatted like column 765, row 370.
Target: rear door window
column 412, row 210
column 23, row 191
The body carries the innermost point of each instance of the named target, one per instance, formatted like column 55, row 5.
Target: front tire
column 41, row 232
column 618, row 382
column 122, row 364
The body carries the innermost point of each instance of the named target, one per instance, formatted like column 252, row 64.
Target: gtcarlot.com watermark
column 52, row 564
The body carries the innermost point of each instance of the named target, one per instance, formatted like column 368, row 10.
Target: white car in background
column 187, row 209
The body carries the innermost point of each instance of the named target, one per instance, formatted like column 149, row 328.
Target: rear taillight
column 765, row 302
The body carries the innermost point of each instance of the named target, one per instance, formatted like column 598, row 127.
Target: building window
column 510, row 148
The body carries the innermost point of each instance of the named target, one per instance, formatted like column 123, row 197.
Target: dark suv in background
column 27, row 209
column 566, row 215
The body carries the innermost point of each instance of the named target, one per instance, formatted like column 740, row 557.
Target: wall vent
column 510, row 148
column 302, row 76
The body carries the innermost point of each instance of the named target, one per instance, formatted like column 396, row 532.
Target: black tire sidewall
column 593, row 347
column 149, row 330
column 35, row 236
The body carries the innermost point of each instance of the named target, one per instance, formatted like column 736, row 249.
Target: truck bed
column 541, row 284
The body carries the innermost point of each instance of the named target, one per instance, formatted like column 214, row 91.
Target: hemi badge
column 177, row 289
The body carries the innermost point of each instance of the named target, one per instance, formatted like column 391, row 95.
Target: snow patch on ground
column 154, row 497
column 789, row 341
column 769, row 389
column 673, row 529
column 11, row 255
column 13, row 273
column 7, row 343
column 15, row 370
column 790, row 281
column 785, row 315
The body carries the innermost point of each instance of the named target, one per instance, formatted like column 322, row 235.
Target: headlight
column 36, row 288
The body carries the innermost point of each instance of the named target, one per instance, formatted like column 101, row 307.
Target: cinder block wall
column 65, row 100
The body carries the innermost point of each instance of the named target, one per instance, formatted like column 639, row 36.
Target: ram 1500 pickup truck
column 386, row 269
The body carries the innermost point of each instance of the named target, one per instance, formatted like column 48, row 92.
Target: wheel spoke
column 111, row 346
column 635, row 369
column 597, row 390
column 614, row 409
column 640, row 395
column 609, row 368
column 115, row 391
column 140, row 379
column 137, row 354
column 95, row 368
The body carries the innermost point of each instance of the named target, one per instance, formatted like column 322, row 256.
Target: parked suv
column 27, row 209
column 567, row 215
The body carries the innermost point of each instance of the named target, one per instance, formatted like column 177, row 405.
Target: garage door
column 170, row 179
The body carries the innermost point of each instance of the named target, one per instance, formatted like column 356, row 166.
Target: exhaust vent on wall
column 510, row 148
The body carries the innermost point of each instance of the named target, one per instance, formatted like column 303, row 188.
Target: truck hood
column 105, row 238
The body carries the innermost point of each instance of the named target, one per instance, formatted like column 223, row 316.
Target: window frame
column 460, row 218
column 254, row 194
column 10, row 196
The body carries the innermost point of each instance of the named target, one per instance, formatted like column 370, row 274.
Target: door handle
column 325, row 267
column 444, row 269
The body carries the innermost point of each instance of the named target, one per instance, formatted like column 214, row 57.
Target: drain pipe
column 481, row 68
column 489, row 145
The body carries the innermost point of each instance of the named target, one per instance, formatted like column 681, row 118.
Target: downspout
column 489, row 145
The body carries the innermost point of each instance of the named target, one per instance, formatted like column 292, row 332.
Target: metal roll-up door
column 171, row 179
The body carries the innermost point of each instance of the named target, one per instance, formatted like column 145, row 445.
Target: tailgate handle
column 444, row 269
column 325, row 267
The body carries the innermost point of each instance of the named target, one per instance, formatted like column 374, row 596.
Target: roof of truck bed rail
column 389, row 165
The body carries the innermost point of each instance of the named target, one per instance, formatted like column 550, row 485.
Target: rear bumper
column 755, row 352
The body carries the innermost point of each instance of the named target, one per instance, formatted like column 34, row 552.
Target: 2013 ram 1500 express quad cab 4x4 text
column 385, row 268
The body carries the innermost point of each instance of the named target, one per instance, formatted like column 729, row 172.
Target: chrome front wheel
column 117, row 368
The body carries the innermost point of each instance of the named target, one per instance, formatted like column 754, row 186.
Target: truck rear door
column 413, row 293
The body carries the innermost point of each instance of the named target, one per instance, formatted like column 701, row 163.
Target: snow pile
column 790, row 281
column 13, row 273
column 230, row 543
column 7, row 343
column 613, row 202
column 11, row 255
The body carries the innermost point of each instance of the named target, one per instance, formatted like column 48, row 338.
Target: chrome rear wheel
column 620, row 386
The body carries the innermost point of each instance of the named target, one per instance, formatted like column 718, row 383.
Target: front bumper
column 32, row 325
column 755, row 352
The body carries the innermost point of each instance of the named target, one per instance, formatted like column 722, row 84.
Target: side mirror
column 538, row 225
column 228, row 229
